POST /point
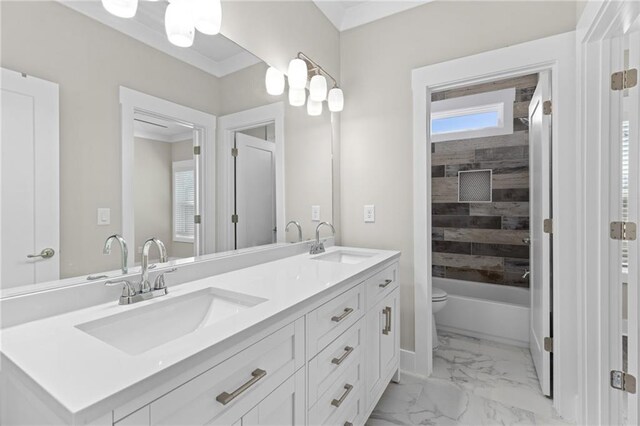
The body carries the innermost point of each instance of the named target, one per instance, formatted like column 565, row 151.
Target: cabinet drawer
column 382, row 283
column 333, row 360
column 346, row 389
column 330, row 320
column 222, row 394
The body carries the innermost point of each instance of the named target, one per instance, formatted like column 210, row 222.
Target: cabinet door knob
column 225, row 397
column 387, row 317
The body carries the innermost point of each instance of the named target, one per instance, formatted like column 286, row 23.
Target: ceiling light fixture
column 181, row 20
column 298, row 72
column 121, row 8
column 274, row 81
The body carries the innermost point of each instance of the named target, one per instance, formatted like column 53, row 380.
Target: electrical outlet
column 104, row 216
column 315, row 213
column 369, row 213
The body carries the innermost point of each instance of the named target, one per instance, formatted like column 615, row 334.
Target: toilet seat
column 438, row 295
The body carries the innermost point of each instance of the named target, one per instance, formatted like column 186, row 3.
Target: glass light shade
column 314, row 108
column 121, row 8
column 274, row 81
column 297, row 74
column 297, row 97
column 179, row 23
column 318, row 88
column 335, row 100
column 208, row 16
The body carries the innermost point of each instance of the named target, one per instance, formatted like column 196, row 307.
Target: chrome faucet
column 144, row 291
column 124, row 251
column 317, row 247
column 293, row 222
column 145, row 286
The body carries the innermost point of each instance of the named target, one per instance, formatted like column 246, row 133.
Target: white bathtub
column 487, row 311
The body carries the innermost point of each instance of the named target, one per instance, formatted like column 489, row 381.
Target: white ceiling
column 347, row 14
column 216, row 55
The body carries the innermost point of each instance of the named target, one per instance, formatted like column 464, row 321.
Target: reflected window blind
column 183, row 201
column 625, row 191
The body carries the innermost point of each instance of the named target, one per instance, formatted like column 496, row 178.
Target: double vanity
column 305, row 339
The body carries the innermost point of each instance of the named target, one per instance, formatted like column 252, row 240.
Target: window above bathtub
column 473, row 116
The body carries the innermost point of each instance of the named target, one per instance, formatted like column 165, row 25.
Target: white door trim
column 227, row 126
column 600, row 22
column 554, row 53
column 132, row 101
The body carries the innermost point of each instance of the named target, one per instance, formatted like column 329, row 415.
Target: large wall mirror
column 109, row 129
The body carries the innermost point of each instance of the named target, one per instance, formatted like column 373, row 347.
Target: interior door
column 255, row 192
column 540, row 241
column 29, row 228
column 624, row 190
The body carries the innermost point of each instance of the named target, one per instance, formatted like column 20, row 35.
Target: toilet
column 438, row 300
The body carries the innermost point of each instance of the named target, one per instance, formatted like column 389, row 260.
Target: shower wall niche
column 484, row 241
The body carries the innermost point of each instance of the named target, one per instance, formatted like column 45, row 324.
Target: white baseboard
column 407, row 361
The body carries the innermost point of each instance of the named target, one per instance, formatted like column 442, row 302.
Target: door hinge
column 234, row 152
column 622, row 231
column 548, row 344
column 623, row 381
column 234, row 218
column 197, row 219
column 546, row 107
column 547, row 226
column 196, row 150
column 624, row 79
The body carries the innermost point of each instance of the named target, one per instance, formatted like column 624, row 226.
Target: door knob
column 45, row 254
column 526, row 274
column 526, row 240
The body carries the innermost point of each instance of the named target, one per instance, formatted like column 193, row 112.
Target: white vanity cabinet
column 324, row 361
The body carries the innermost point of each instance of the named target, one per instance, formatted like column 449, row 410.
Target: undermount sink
column 138, row 330
column 344, row 256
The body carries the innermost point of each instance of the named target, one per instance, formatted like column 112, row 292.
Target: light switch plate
column 104, row 216
column 369, row 213
column 315, row 213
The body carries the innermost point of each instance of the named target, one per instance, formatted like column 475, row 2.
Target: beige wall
column 376, row 136
column 90, row 61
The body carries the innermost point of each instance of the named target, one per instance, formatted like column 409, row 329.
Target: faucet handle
column 159, row 283
column 127, row 288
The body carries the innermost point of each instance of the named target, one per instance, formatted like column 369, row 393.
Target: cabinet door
column 372, row 372
column 390, row 334
column 283, row 407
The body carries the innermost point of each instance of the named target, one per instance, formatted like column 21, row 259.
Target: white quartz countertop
column 79, row 371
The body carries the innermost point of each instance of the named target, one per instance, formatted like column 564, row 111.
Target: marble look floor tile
column 474, row 382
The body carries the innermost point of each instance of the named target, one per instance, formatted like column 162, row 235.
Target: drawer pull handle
column 338, row 402
column 346, row 312
column 385, row 283
column 225, row 397
column 387, row 323
column 347, row 351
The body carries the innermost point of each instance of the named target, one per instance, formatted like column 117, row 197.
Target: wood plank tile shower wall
column 482, row 242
